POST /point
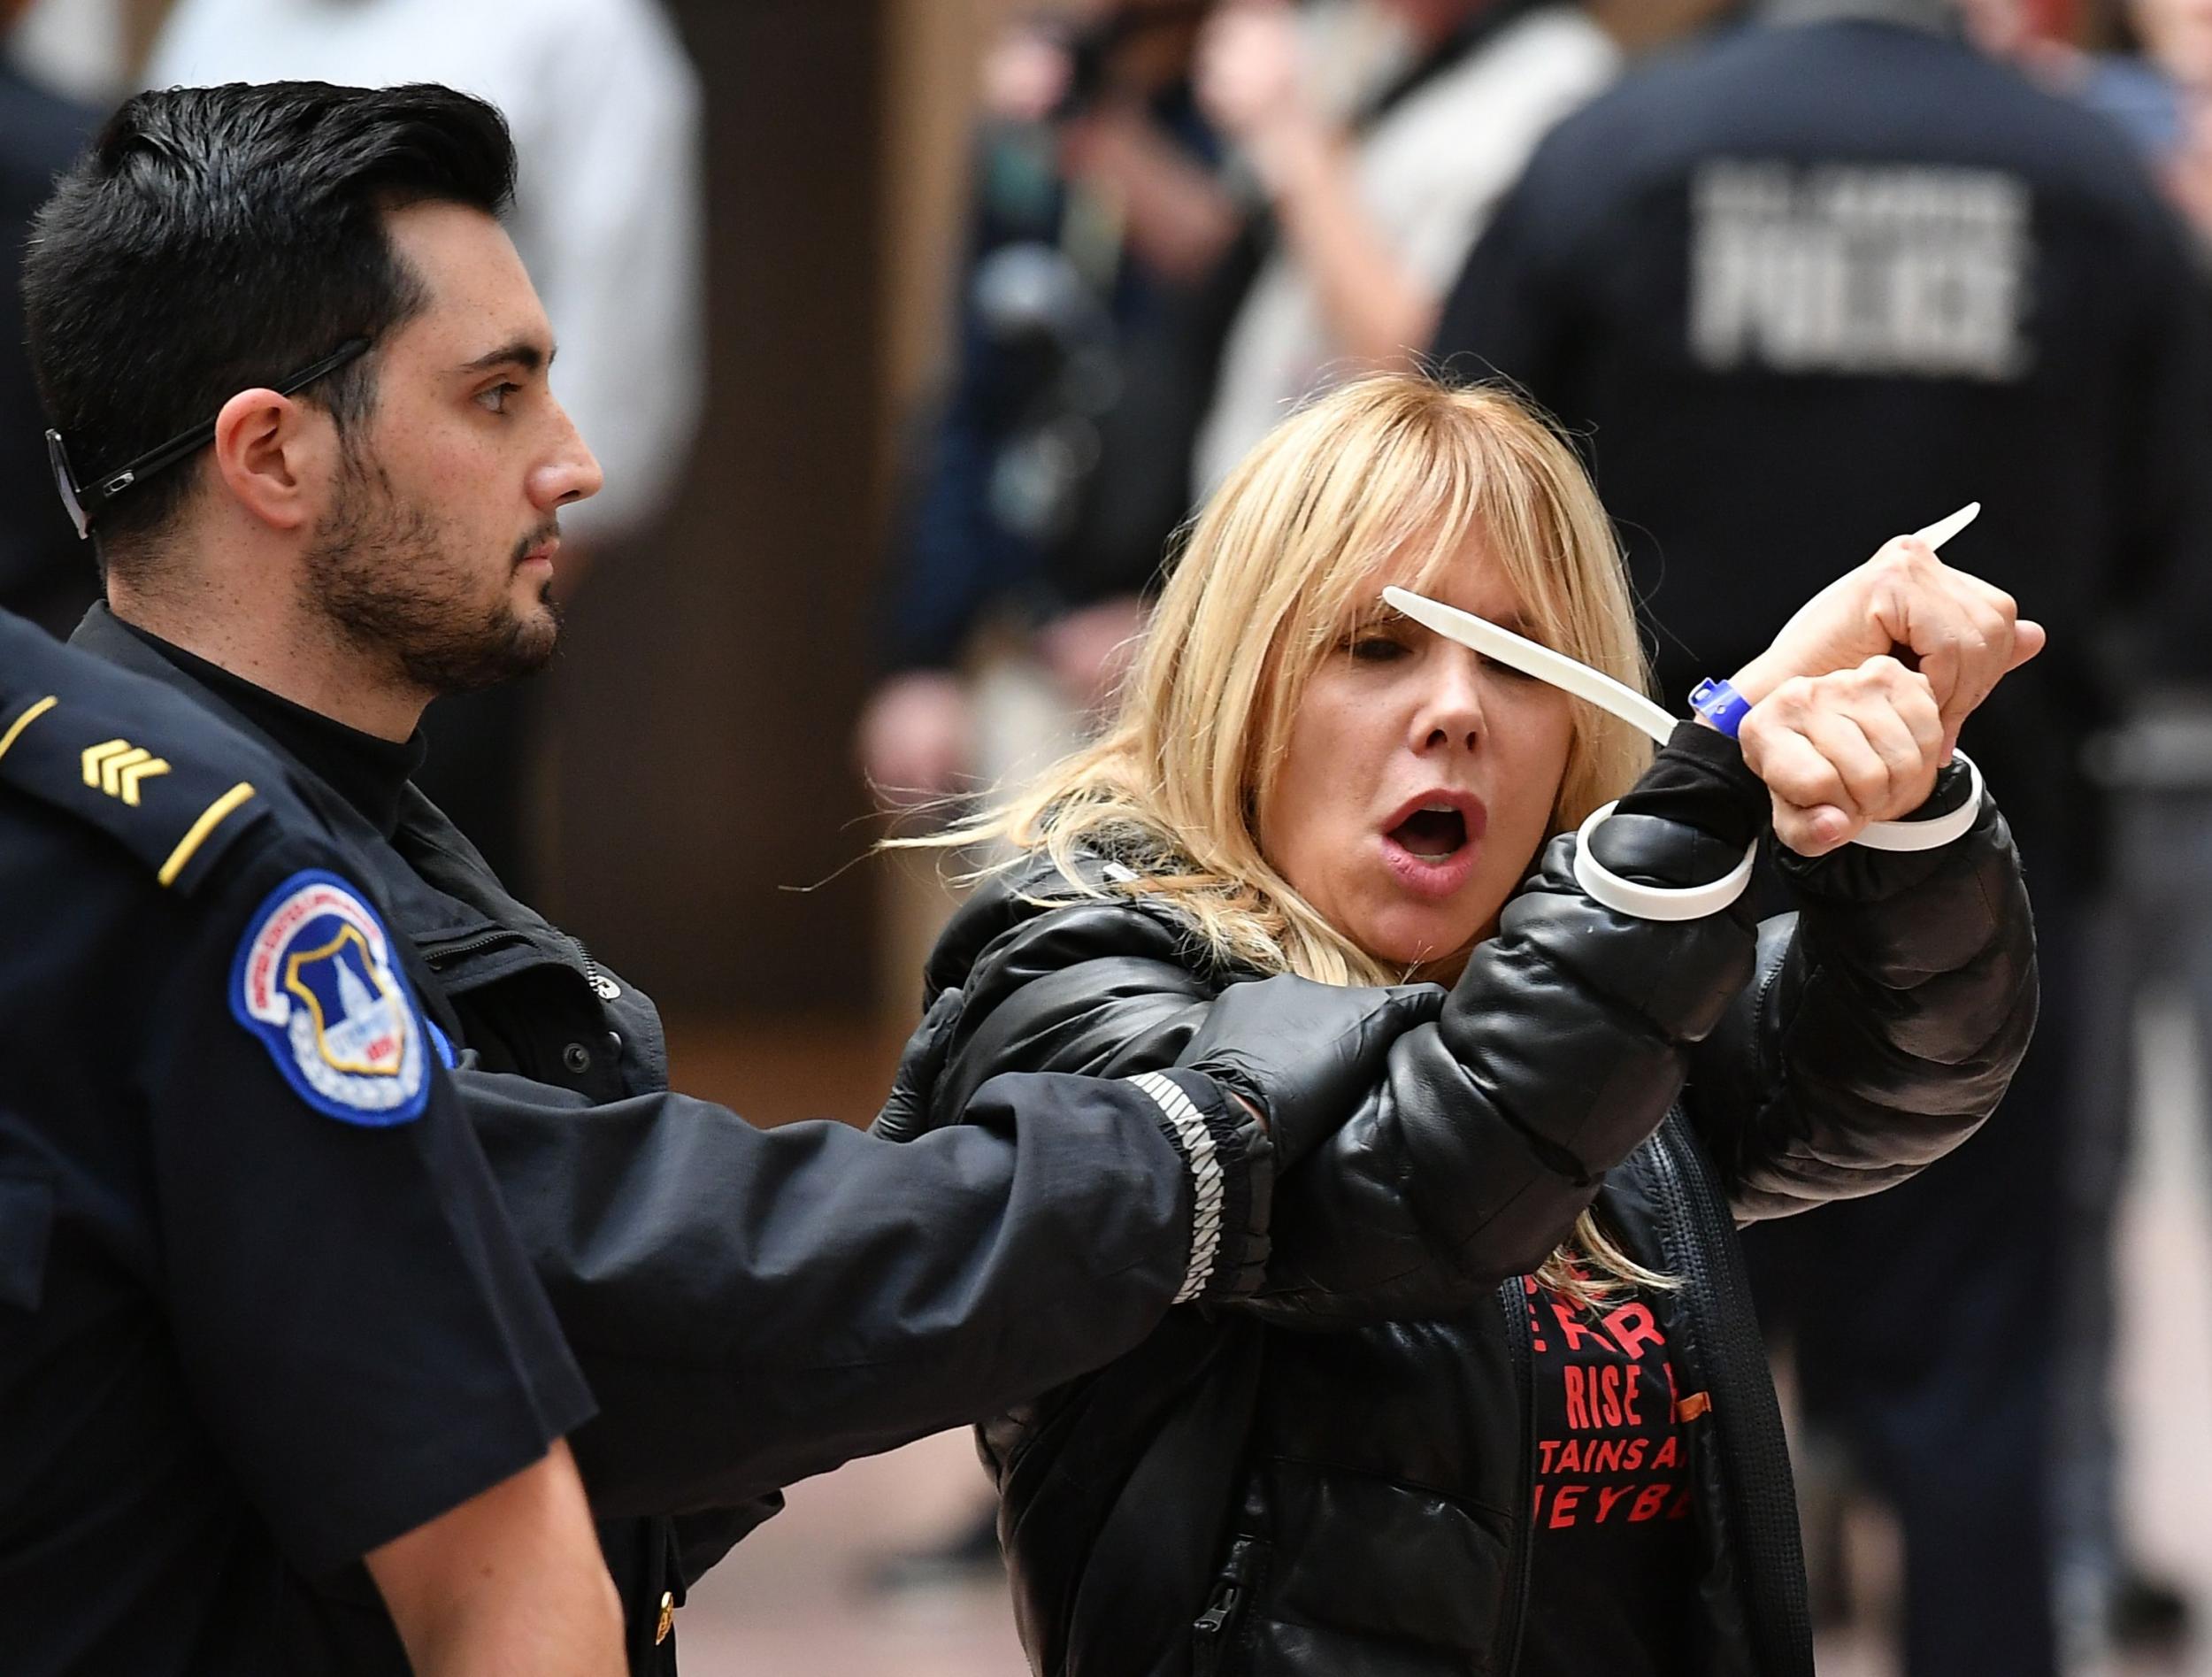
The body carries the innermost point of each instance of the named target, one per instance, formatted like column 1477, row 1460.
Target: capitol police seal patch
column 315, row 981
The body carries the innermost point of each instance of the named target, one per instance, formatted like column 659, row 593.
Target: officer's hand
column 1305, row 1053
column 1960, row 632
column 1837, row 751
column 906, row 1114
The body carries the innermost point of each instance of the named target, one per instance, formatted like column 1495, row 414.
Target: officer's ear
column 276, row 457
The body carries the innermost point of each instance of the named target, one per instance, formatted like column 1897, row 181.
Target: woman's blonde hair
column 1391, row 470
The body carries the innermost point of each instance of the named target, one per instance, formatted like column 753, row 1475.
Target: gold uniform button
column 668, row 1618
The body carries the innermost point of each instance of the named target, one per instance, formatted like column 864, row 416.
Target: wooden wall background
column 704, row 706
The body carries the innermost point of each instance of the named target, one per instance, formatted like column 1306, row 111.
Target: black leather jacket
column 1335, row 1476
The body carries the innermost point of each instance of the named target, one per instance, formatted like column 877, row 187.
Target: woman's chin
column 1410, row 941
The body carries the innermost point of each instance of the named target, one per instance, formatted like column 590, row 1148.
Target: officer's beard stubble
column 393, row 580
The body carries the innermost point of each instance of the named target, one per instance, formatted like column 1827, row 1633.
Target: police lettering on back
column 1871, row 270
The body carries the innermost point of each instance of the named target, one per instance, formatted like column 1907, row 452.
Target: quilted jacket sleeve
column 1885, row 1020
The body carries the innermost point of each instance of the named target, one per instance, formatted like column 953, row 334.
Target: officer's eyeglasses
column 86, row 502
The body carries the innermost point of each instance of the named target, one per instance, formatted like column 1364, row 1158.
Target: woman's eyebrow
column 1514, row 622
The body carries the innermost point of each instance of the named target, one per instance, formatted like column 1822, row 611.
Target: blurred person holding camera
column 1046, row 482
column 1047, row 479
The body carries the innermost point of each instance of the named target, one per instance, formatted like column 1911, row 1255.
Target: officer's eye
column 495, row 399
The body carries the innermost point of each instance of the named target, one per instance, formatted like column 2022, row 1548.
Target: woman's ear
column 273, row 456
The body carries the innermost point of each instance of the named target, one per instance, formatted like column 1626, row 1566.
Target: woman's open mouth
column 1432, row 834
column 1431, row 846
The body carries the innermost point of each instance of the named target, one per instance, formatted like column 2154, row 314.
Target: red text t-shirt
column 1613, row 1559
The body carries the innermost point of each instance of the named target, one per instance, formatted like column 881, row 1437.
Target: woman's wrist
column 1699, row 779
column 1678, row 845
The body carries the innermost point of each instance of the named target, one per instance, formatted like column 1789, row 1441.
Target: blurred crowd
column 1797, row 276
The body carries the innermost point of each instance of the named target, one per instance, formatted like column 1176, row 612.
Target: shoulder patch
column 315, row 980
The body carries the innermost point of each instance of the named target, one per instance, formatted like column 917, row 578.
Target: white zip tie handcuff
column 1652, row 902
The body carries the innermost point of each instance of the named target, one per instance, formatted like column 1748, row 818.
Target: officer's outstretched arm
column 509, row 1581
column 753, row 1306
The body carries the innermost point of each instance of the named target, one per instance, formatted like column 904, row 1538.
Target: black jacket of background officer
column 750, row 1306
column 243, row 1340
column 1334, row 1475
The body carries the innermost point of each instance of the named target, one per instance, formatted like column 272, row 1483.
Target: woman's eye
column 1371, row 647
column 495, row 400
column 1496, row 667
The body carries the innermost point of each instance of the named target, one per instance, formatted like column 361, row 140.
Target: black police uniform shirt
column 260, row 1309
column 513, row 995
column 1810, row 287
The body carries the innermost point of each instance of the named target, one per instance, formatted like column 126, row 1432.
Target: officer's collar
column 369, row 773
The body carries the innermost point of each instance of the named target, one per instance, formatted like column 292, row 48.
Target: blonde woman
column 1499, row 1403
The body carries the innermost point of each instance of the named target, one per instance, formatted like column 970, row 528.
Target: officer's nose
column 570, row 474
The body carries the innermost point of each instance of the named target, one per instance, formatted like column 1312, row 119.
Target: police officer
column 1841, row 272
column 300, row 378
column 262, row 1317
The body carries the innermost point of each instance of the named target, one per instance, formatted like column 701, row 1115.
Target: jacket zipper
column 444, row 956
column 1747, row 1418
column 1513, row 1295
column 1210, row 1630
column 1212, row 1626
column 602, row 986
column 451, row 952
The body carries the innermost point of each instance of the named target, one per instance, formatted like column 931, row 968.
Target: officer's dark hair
column 215, row 239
